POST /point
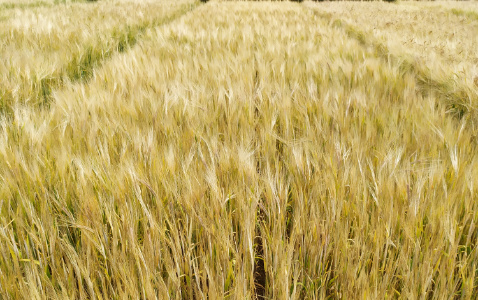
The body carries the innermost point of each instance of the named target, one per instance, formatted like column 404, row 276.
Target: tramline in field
column 238, row 150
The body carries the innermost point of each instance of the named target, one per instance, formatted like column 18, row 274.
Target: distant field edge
column 35, row 4
column 466, row 13
column 14, row 5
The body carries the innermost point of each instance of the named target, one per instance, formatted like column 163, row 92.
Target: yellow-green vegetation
column 468, row 14
column 23, row 4
column 44, row 46
column 466, row 8
column 247, row 150
column 432, row 40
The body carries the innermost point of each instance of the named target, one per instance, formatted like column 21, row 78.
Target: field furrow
column 242, row 150
column 436, row 44
column 43, row 48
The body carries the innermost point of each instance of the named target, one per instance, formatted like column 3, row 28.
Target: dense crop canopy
column 239, row 149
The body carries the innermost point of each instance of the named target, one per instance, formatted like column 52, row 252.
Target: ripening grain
column 43, row 46
column 440, row 44
column 243, row 150
column 466, row 7
column 438, row 37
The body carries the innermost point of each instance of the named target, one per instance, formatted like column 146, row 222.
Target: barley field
column 161, row 149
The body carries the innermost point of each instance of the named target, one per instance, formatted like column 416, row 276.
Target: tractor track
column 82, row 65
column 459, row 100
